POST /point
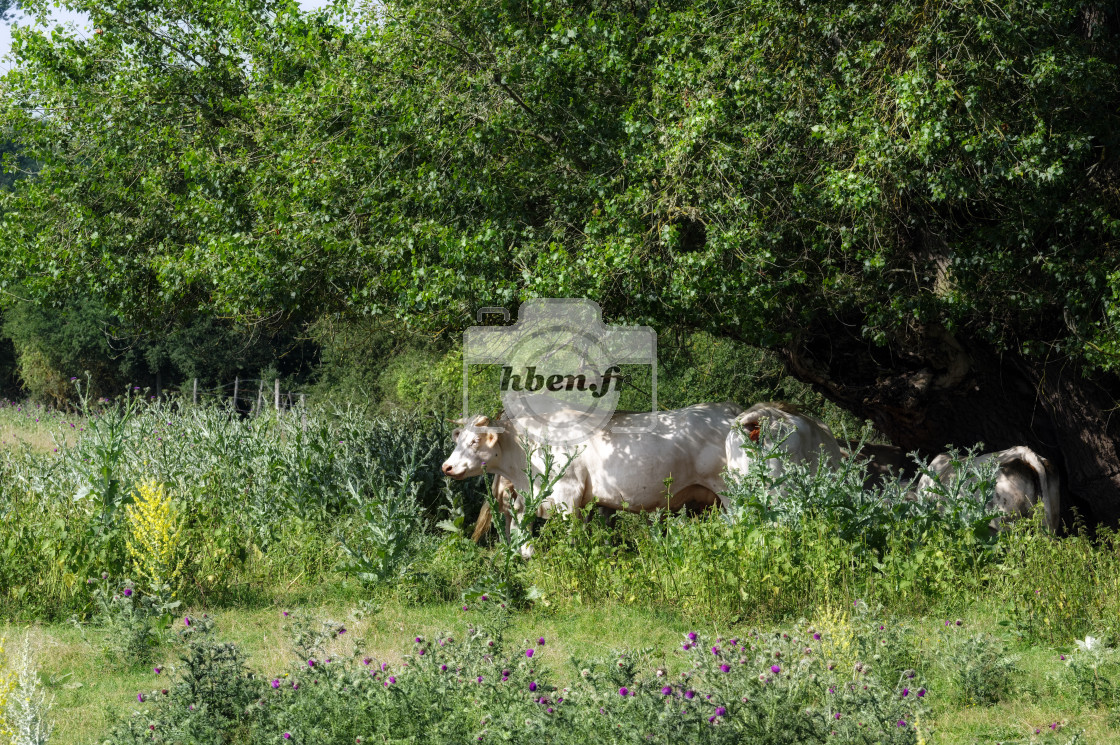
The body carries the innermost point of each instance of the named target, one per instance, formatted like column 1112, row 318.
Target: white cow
column 1024, row 478
column 803, row 437
column 692, row 499
column 619, row 470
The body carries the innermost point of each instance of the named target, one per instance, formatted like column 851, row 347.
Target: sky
column 82, row 22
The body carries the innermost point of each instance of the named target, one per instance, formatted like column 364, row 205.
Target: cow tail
column 482, row 526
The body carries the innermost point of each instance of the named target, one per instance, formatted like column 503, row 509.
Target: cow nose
column 447, row 468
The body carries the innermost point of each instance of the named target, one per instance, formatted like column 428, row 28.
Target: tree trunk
column 938, row 392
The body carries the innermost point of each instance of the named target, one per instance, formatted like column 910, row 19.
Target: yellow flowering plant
column 155, row 539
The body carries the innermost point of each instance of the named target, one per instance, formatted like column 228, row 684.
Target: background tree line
column 915, row 205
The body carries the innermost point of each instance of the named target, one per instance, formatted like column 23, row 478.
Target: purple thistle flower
column 417, row 640
column 284, row 613
column 423, row 652
column 667, row 690
column 276, row 683
column 836, row 715
column 342, row 631
column 692, row 636
column 127, row 592
column 816, row 637
column 901, row 722
column 775, row 669
column 541, row 641
column 186, row 620
column 921, row 692
column 311, row 662
column 689, row 694
column 905, row 692
column 392, row 679
column 157, row 670
column 287, row 735
column 720, row 711
column 532, row 686
column 443, row 668
column 140, row 697
column 366, row 661
column 623, row 691
column 715, row 650
column 479, row 678
column 725, row 668
column 295, row 686
column 528, row 653
column 484, row 598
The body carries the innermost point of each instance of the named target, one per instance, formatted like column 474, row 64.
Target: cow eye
column 455, row 434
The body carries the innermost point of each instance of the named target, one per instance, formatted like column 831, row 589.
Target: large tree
column 917, row 203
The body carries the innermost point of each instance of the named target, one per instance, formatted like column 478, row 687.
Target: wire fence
column 250, row 396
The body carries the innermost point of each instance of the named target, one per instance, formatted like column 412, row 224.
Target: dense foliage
column 750, row 168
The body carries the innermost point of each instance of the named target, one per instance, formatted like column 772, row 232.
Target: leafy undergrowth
column 950, row 680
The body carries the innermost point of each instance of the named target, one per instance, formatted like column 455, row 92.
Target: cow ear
column 491, row 439
column 482, row 421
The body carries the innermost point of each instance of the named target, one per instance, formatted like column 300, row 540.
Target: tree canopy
column 748, row 168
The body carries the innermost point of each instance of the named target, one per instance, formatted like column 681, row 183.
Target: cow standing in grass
column 615, row 469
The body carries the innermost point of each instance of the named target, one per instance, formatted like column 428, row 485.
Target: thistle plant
column 517, row 531
column 134, row 624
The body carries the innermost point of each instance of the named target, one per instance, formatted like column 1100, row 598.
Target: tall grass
column 819, row 540
column 279, row 493
column 309, row 497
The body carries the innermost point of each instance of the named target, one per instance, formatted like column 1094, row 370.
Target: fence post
column 194, row 397
column 276, row 394
column 236, row 382
column 159, row 384
column 258, row 404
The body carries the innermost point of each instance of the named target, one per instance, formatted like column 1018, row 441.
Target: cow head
column 473, row 449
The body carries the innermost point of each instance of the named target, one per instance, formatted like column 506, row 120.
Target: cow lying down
column 1023, row 479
